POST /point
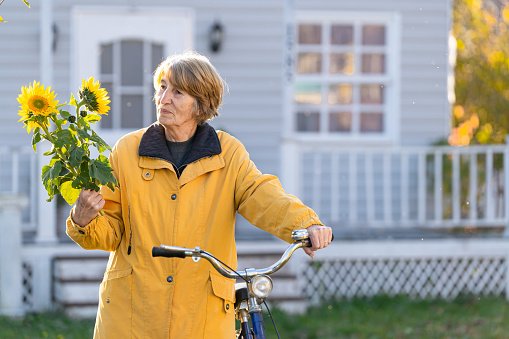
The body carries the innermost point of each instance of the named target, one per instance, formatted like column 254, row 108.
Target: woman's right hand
column 87, row 207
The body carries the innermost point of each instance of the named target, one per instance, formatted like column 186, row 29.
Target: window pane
column 341, row 63
column 372, row 94
column 372, row 122
column 373, row 35
column 341, row 35
column 373, row 63
column 340, row 122
column 308, row 121
column 106, row 59
column 131, row 63
column 340, row 94
column 305, row 93
column 309, row 63
column 157, row 55
column 132, row 111
column 310, row 34
column 107, row 120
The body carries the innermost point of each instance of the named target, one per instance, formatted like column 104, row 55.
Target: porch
column 403, row 218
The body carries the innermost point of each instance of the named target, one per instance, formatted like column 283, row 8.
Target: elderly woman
column 181, row 183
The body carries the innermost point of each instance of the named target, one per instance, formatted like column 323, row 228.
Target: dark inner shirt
column 179, row 150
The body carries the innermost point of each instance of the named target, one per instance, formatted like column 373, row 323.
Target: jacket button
column 147, row 174
column 227, row 306
column 169, row 279
column 173, row 196
column 81, row 232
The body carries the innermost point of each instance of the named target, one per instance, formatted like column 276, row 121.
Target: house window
column 343, row 82
column 126, row 68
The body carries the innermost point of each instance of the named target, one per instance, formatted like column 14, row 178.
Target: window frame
column 391, row 78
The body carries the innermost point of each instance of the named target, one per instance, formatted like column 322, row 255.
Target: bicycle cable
column 222, row 263
column 271, row 318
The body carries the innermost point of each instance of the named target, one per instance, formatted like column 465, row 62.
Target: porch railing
column 356, row 187
column 404, row 186
column 19, row 177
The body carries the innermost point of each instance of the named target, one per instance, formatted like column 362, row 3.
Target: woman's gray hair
column 193, row 73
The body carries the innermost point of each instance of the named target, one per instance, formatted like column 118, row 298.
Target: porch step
column 76, row 283
column 286, row 293
column 76, row 279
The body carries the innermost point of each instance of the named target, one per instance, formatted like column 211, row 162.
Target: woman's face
column 175, row 109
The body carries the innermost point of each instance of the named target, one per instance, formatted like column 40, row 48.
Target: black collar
column 153, row 144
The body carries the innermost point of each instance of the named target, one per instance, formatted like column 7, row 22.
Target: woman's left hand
column 320, row 237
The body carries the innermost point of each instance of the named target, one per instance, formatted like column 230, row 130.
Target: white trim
column 392, row 78
column 172, row 27
column 101, row 24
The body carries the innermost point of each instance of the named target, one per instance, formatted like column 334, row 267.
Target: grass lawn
column 379, row 317
column 399, row 317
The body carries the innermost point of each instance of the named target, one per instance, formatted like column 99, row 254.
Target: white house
column 342, row 100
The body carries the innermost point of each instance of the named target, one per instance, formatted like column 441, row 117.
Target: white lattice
column 28, row 291
column 443, row 277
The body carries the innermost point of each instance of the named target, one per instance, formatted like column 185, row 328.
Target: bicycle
column 252, row 292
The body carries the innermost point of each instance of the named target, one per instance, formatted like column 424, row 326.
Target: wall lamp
column 216, row 36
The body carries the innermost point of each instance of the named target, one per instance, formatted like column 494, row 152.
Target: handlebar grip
column 162, row 252
column 311, row 245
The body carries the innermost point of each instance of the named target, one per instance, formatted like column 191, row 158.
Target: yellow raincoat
column 146, row 297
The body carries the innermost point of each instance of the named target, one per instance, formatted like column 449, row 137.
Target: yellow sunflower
column 96, row 98
column 36, row 104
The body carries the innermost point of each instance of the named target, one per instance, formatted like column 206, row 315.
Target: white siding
column 251, row 61
column 19, row 65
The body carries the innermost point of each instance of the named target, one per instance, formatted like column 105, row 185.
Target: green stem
column 59, row 152
column 78, row 106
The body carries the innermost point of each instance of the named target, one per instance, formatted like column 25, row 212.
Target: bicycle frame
column 253, row 291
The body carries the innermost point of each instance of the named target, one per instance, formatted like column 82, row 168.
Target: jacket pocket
column 224, row 289
column 115, row 304
column 220, row 311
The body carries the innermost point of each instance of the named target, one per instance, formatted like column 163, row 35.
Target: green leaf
column 45, row 176
column 65, row 136
column 55, row 170
column 26, row 3
column 100, row 169
column 52, row 151
column 69, row 193
column 76, row 154
column 100, row 143
column 83, row 134
column 93, row 118
column 111, row 186
column 35, row 139
column 73, row 101
column 65, row 114
column 84, row 122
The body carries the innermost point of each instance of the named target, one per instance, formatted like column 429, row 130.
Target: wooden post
column 11, row 281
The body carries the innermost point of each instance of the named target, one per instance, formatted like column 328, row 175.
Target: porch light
column 216, row 36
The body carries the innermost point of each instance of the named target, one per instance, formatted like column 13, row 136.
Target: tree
column 481, row 112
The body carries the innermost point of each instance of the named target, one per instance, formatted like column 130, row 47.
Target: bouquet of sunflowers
column 71, row 167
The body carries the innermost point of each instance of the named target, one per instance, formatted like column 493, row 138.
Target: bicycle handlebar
column 301, row 238
column 163, row 252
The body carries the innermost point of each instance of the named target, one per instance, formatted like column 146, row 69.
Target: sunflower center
column 90, row 99
column 38, row 103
